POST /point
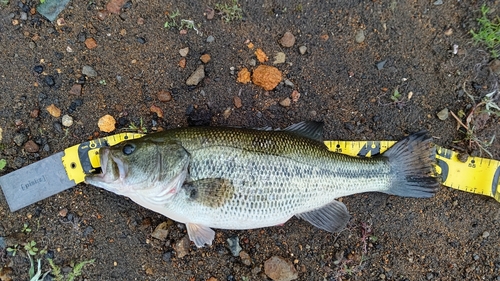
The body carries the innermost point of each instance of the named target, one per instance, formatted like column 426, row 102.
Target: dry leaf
column 106, row 123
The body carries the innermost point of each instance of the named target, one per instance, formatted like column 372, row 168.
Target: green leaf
column 3, row 163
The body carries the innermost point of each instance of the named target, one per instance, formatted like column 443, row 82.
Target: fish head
column 146, row 168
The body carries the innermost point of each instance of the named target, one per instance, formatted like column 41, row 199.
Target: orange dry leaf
column 157, row 110
column 243, row 76
column 250, row 45
column 106, row 123
column 261, row 56
column 268, row 77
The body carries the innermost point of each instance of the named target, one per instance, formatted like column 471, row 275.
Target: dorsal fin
column 308, row 129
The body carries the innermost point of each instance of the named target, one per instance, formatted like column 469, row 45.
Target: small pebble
column 167, row 256
column 380, row 65
column 196, row 76
column 20, row 139
column 63, row 212
column 245, row 258
column 295, row 96
column 161, row 231
column 233, row 243
column 141, row 40
column 53, row 110
column 102, row 14
column 302, row 50
column 81, row 37
column 205, row 58
column 360, row 36
column 210, row 39
column 76, row 89
column 34, row 113
column 443, row 114
column 24, row 16
column 67, row 120
column 182, row 247
column 184, row 52
column 164, row 96
column 90, row 43
column 57, row 126
column 89, row 71
column 486, row 234
column 182, row 63
column 279, row 269
column 38, row 69
column 286, row 102
column 289, row 83
column 252, row 62
column 288, row 40
column 227, row 112
column 237, row 102
column 31, row 147
column 49, row 80
column 280, row 57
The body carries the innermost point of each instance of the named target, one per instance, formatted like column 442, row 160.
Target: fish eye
column 128, row 149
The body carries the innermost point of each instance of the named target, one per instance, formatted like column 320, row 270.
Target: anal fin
column 200, row 234
column 332, row 217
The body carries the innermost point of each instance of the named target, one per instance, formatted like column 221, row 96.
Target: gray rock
column 233, row 244
column 443, row 114
column 380, row 65
column 89, row 71
column 196, row 76
column 289, row 83
column 360, row 36
column 210, row 39
column 20, row 139
column 302, row 50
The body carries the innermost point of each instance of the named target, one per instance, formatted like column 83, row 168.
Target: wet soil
column 453, row 236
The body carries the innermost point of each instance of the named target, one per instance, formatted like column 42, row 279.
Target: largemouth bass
column 234, row 178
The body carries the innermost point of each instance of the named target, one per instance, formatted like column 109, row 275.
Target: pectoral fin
column 200, row 234
column 332, row 217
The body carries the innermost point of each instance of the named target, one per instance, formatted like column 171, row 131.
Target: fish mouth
column 112, row 169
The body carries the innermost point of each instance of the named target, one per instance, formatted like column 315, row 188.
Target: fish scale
column 234, row 178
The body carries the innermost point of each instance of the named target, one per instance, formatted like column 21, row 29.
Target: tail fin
column 412, row 162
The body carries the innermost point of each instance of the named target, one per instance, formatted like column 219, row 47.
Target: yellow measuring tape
column 475, row 174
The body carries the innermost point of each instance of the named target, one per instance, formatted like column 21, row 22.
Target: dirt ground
column 453, row 236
